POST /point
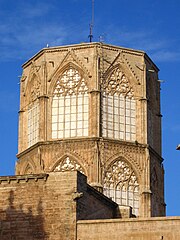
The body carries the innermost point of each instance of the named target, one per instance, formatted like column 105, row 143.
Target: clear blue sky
column 152, row 26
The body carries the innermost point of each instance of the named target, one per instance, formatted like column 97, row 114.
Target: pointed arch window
column 118, row 108
column 121, row 185
column 70, row 106
column 33, row 123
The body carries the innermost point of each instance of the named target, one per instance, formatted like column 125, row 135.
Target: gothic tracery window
column 68, row 165
column 118, row 108
column 70, row 106
column 121, row 185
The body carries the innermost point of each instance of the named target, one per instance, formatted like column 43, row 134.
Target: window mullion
column 69, row 115
column 124, row 118
column 130, row 117
column 76, row 124
column 113, row 118
column 82, row 114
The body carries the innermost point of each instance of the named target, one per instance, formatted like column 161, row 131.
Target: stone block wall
column 38, row 207
column 93, row 204
column 46, row 206
column 161, row 228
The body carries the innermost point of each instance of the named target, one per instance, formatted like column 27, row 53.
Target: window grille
column 118, row 108
column 70, row 106
column 33, row 124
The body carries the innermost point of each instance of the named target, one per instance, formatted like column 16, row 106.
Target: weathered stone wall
column 153, row 107
column 157, row 185
column 137, row 229
column 93, row 204
column 38, row 207
column 45, row 206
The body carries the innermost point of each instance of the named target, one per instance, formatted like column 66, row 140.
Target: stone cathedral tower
column 95, row 108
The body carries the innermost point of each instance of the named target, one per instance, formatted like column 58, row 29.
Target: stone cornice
column 83, row 46
column 26, row 178
column 82, row 139
column 150, row 219
column 58, row 141
column 133, row 144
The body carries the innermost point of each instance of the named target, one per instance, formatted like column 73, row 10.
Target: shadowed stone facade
column 95, row 108
column 47, row 206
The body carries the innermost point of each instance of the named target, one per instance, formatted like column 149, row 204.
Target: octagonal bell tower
column 95, row 108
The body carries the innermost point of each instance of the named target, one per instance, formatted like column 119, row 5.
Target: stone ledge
column 81, row 139
column 150, row 219
column 18, row 178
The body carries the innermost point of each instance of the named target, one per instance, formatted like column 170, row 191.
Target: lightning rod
column 92, row 23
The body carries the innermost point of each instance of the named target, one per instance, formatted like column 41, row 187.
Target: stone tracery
column 70, row 83
column 118, row 107
column 68, row 165
column 118, row 83
column 70, row 105
column 35, row 87
column 121, row 184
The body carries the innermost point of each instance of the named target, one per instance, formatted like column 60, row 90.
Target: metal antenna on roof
column 92, row 23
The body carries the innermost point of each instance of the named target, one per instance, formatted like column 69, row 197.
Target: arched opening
column 121, row 185
column 70, row 105
column 118, row 107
